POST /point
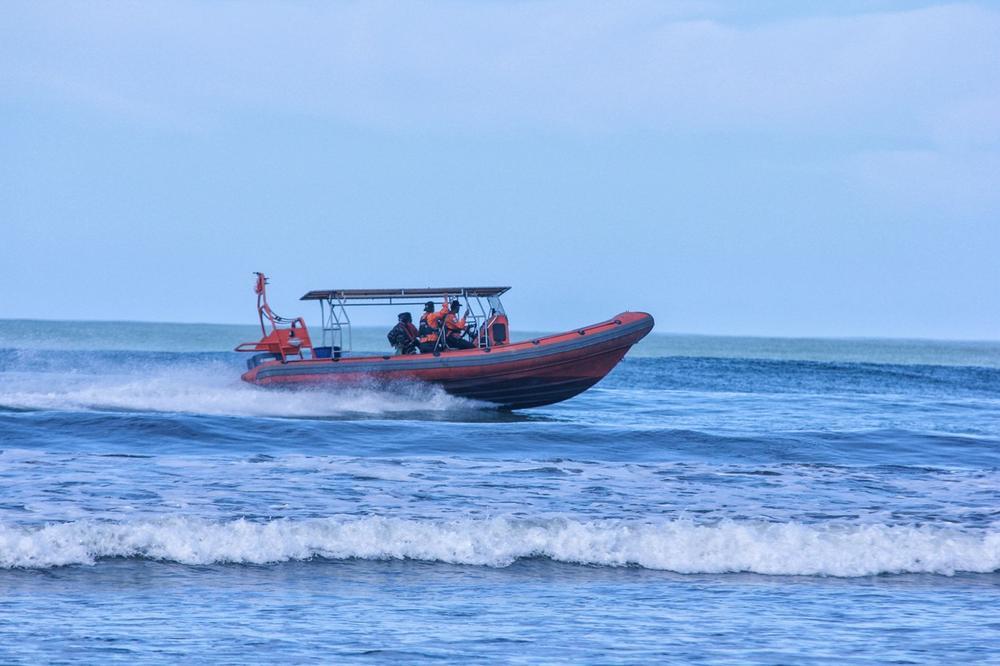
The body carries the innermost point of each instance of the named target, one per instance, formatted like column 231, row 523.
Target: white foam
column 210, row 389
column 680, row 546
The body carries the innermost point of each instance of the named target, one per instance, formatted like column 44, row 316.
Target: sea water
column 713, row 499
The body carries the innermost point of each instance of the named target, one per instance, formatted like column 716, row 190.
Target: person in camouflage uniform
column 403, row 335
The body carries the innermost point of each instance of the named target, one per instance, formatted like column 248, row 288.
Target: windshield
column 495, row 305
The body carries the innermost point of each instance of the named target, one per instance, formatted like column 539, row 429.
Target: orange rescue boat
column 512, row 375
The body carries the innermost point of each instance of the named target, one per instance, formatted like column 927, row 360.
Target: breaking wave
column 679, row 546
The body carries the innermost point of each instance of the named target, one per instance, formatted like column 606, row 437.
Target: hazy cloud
column 567, row 66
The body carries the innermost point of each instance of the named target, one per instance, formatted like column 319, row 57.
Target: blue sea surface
column 723, row 500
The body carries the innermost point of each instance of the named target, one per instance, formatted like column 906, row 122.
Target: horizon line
column 541, row 330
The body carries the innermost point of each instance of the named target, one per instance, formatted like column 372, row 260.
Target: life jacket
column 454, row 325
column 434, row 318
column 430, row 322
column 402, row 334
column 425, row 328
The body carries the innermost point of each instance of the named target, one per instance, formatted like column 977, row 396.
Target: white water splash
column 679, row 546
column 210, row 388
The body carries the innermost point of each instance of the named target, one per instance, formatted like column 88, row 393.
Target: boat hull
column 515, row 376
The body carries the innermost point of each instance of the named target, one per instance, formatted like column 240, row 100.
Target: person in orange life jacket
column 425, row 327
column 455, row 328
column 403, row 335
column 430, row 325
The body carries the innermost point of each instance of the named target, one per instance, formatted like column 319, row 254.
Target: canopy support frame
column 337, row 326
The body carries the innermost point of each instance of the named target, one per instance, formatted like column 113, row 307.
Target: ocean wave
column 679, row 546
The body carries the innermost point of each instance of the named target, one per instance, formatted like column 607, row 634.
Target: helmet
column 456, row 305
column 429, row 306
column 405, row 316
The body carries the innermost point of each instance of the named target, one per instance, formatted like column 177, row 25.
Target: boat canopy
column 335, row 303
column 388, row 294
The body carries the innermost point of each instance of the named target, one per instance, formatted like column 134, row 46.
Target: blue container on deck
column 326, row 352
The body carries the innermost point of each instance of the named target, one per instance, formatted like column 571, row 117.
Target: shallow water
column 715, row 499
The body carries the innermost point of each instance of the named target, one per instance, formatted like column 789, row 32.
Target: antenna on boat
column 263, row 309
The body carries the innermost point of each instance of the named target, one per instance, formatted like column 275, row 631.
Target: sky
column 769, row 168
